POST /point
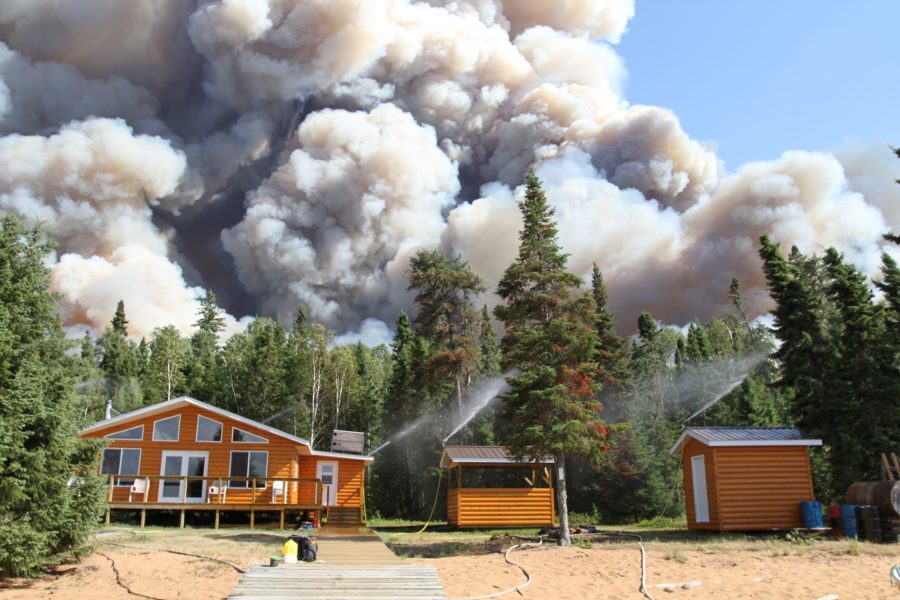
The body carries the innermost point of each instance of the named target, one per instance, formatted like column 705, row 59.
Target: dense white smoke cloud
column 288, row 152
column 333, row 227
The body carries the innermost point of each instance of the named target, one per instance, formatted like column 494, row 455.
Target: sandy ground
column 604, row 571
column 615, row 572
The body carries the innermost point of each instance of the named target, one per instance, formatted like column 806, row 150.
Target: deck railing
column 145, row 489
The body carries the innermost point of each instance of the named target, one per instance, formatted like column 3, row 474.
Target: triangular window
column 245, row 437
column 134, row 433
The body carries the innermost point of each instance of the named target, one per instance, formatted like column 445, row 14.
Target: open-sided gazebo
column 488, row 488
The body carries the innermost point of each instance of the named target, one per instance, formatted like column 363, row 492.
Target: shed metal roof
column 485, row 455
column 745, row 436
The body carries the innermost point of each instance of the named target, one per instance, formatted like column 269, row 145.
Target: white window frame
column 111, row 436
column 240, row 484
column 117, row 477
column 233, row 441
column 177, row 430
column 197, row 432
column 184, row 454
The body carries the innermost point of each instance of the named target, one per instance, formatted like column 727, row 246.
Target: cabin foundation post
column 217, row 519
column 281, row 521
column 143, row 517
column 107, row 516
column 252, row 519
column 181, row 519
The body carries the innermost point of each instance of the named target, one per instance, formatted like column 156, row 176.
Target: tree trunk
column 561, row 500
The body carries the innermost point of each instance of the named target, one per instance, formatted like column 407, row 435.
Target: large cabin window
column 208, row 430
column 121, row 461
column 166, row 430
column 248, row 464
column 135, row 433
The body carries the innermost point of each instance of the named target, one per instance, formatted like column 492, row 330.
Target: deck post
column 252, row 518
column 181, row 519
column 217, row 519
column 107, row 516
column 281, row 522
column 143, row 517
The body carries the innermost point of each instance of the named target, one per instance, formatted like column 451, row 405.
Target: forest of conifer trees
column 828, row 363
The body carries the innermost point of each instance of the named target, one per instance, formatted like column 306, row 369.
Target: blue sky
column 762, row 77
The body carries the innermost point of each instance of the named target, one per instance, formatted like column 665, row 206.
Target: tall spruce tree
column 50, row 494
column 204, row 373
column 551, row 340
column 121, row 364
column 394, row 479
column 857, row 377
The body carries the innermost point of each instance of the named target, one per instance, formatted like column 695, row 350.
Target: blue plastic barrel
column 848, row 520
column 812, row 514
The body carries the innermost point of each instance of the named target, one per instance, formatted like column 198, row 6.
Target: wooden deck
column 353, row 563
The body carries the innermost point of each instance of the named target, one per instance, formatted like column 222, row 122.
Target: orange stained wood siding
column 500, row 507
column 750, row 487
column 351, row 477
column 282, row 456
column 762, row 487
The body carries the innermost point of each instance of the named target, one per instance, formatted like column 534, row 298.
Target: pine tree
column 51, row 497
column 550, row 339
column 447, row 318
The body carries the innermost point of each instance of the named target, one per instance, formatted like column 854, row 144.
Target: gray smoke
column 288, row 152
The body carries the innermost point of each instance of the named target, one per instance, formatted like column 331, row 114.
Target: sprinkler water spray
column 480, row 397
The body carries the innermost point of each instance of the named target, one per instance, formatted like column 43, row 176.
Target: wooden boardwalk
column 353, row 564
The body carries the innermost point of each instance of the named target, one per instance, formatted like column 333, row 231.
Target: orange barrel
column 883, row 494
column 834, row 516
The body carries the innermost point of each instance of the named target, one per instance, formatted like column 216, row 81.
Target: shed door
column 698, row 475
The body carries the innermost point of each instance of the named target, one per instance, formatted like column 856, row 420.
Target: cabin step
column 344, row 516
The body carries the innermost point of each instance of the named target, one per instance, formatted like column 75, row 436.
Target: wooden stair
column 344, row 517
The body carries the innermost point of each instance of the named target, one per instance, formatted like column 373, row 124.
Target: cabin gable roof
column 176, row 403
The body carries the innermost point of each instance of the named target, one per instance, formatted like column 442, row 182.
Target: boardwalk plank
column 354, row 565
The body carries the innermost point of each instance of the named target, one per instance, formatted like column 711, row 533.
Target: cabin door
column 698, row 476
column 327, row 472
column 179, row 465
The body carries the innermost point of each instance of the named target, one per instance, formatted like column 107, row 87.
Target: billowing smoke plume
column 298, row 152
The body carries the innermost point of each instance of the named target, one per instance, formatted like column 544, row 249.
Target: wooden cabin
column 188, row 455
column 488, row 488
column 745, row 478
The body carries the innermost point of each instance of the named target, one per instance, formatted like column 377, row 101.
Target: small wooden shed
column 745, row 478
column 488, row 488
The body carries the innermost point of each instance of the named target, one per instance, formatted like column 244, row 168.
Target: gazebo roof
column 745, row 436
column 484, row 455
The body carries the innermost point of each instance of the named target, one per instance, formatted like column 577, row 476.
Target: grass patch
column 677, row 555
column 242, row 546
column 661, row 522
column 375, row 522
